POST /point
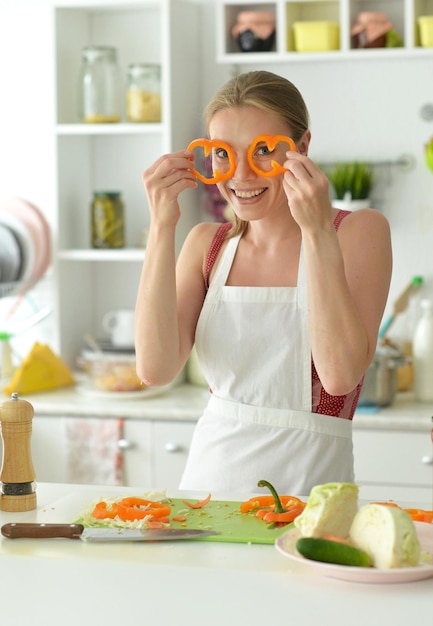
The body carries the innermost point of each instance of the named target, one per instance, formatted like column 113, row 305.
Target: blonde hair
column 268, row 92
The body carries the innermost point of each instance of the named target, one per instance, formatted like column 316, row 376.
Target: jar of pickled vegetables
column 100, row 85
column 107, row 220
column 143, row 95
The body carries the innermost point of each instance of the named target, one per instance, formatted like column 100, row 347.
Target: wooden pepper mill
column 17, row 476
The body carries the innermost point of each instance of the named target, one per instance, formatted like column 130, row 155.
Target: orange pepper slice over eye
column 270, row 141
column 207, row 145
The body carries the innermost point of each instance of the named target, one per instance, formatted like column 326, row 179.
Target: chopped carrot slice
column 197, row 505
column 179, row 518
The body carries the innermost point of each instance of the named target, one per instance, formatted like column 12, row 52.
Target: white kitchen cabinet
column 49, row 450
column 111, row 157
column 137, row 453
column 394, row 465
column 170, row 446
column 402, row 13
column 153, row 453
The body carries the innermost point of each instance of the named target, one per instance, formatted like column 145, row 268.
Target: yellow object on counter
column 41, row 370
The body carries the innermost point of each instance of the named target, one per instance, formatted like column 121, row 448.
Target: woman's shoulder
column 205, row 232
column 368, row 218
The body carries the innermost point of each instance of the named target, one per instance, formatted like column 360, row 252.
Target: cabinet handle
column 172, row 447
column 125, row 444
column 427, row 460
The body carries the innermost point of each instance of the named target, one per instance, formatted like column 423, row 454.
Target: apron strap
column 215, row 247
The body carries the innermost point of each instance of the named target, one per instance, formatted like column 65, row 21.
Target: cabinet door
column 49, row 450
column 171, row 442
column 136, row 447
column 80, row 450
column 400, row 461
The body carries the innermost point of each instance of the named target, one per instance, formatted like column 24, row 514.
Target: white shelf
column 108, row 129
column 403, row 15
column 97, row 256
column 94, row 157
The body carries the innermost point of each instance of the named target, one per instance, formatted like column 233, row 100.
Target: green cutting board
column 226, row 519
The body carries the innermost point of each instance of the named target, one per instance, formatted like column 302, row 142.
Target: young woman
column 284, row 307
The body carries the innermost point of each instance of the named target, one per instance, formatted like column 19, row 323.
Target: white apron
column 254, row 349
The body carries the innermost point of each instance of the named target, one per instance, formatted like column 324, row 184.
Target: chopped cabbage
column 330, row 510
column 88, row 521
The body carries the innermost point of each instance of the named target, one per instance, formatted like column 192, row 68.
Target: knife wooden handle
column 23, row 530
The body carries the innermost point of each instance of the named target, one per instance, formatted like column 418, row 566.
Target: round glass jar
column 143, row 95
column 99, row 85
column 108, row 230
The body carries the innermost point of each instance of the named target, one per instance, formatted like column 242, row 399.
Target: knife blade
column 25, row 530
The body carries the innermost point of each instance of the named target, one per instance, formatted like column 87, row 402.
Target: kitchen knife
column 24, row 530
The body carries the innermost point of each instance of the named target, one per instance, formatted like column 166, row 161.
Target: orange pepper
column 419, row 515
column 101, row 511
column 207, row 145
column 197, row 505
column 156, row 524
column 130, row 509
column 336, row 539
column 284, row 517
column 271, row 141
column 258, row 502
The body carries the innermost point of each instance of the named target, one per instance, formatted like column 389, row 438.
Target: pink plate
column 286, row 545
column 38, row 229
column 27, row 246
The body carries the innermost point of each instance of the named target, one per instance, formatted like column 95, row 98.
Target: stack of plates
column 25, row 242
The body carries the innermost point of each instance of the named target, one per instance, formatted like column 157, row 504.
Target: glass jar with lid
column 143, row 95
column 99, row 85
column 107, row 220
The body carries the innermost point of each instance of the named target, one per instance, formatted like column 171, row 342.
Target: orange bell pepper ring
column 130, row 509
column 207, row 145
column 270, row 141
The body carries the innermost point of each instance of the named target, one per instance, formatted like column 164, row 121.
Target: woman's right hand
column 164, row 181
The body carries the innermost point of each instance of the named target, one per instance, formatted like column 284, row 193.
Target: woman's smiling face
column 251, row 196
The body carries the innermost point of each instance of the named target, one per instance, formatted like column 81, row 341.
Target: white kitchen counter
column 186, row 402
column 67, row 582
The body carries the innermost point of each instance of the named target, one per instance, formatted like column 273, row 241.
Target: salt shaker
column 17, row 476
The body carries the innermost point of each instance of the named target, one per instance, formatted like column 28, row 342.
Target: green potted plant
column 352, row 183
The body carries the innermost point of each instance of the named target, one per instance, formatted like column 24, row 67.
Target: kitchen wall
column 359, row 109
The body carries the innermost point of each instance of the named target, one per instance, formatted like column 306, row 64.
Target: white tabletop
column 73, row 583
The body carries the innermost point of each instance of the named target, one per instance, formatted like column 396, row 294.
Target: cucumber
column 329, row 551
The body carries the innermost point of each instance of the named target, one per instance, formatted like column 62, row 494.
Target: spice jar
column 100, row 85
column 143, row 96
column 107, row 220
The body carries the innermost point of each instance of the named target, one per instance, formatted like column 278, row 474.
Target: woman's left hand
column 307, row 191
